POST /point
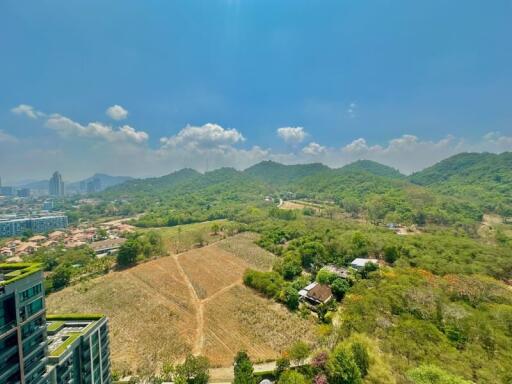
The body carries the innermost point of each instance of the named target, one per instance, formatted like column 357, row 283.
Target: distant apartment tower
column 16, row 227
column 94, row 185
column 7, row 191
column 56, row 185
column 23, row 192
column 58, row 349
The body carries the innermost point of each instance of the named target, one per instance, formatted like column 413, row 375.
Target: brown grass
column 238, row 319
column 193, row 302
column 244, row 247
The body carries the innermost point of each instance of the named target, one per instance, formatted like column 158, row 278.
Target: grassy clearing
column 184, row 237
column 244, row 246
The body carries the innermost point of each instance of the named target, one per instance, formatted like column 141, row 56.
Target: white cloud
column 79, row 150
column 207, row 136
column 313, row 149
column 117, row 112
column 7, row 138
column 495, row 140
column 292, row 135
column 67, row 127
column 27, row 110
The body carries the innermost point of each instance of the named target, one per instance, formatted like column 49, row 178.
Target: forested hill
column 483, row 178
column 374, row 168
column 274, row 173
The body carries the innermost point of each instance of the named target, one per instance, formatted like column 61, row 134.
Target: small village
column 102, row 238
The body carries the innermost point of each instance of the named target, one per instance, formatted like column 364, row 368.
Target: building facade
column 70, row 349
column 79, row 348
column 56, row 185
column 16, row 227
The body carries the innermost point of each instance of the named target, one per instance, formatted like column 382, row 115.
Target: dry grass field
column 191, row 302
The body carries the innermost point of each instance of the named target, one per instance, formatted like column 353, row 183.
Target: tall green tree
column 361, row 357
column 243, row 369
column 193, row 371
column 61, row 276
column 128, row 253
column 342, row 367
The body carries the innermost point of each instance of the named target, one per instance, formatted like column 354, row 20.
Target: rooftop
column 63, row 330
column 12, row 272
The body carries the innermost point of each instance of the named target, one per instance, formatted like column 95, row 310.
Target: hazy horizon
column 23, row 182
column 142, row 89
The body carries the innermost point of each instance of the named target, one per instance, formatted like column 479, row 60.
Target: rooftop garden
column 65, row 344
column 17, row 271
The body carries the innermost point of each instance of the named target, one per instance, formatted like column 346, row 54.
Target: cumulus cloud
column 125, row 150
column 292, row 135
column 498, row 141
column 67, row 127
column 7, row 138
column 117, row 112
column 26, row 110
column 314, row 149
column 207, row 136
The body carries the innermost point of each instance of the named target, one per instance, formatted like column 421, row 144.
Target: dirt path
column 199, row 342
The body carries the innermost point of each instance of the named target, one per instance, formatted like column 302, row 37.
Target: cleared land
column 193, row 302
column 181, row 238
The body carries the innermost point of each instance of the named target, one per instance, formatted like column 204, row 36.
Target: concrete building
column 79, row 348
column 16, row 227
column 60, row 349
column 23, row 347
column 23, row 192
column 56, row 185
column 360, row 263
column 48, row 205
column 7, row 191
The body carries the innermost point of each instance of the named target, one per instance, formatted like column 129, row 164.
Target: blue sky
column 363, row 79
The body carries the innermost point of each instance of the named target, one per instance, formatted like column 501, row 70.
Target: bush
column 342, row 367
column 292, row 377
column 268, row 283
column 339, row 287
column 430, row 374
column 290, row 297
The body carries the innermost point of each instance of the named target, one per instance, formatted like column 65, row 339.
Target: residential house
column 316, row 294
column 38, row 239
column 360, row 263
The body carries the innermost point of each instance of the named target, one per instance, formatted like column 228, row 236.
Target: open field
column 193, row 302
column 181, row 238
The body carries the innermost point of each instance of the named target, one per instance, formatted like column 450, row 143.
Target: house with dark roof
column 316, row 294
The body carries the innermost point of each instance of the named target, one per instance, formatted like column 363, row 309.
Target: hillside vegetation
column 485, row 179
column 458, row 190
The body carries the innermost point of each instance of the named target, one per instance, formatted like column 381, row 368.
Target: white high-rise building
column 56, row 185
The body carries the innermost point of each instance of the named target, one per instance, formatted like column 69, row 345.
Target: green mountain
column 483, row 178
column 374, row 168
column 137, row 187
column 274, row 173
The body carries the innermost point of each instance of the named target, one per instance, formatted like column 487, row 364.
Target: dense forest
column 457, row 191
